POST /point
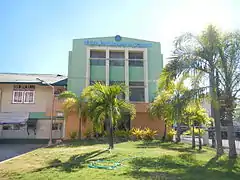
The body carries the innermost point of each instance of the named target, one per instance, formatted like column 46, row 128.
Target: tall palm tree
column 104, row 104
column 74, row 104
column 200, row 54
column 229, row 78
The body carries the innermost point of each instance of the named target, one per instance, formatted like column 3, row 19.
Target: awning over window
column 13, row 117
column 38, row 115
column 42, row 116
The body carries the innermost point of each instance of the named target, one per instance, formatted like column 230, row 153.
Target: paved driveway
column 11, row 150
column 224, row 142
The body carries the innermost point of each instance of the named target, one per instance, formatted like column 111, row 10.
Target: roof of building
column 32, row 78
column 105, row 37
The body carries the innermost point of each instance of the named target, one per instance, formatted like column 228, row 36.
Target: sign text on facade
column 117, row 44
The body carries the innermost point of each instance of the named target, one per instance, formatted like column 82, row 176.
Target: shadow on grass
column 180, row 147
column 86, row 142
column 185, row 166
column 228, row 164
column 76, row 162
column 77, row 143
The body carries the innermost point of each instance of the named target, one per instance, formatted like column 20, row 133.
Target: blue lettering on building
column 117, row 44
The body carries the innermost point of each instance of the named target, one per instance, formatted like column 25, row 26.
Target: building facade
column 26, row 105
column 110, row 60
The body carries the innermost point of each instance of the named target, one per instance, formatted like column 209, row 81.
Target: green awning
column 41, row 116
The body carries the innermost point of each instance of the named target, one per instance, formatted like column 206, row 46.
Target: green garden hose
column 98, row 164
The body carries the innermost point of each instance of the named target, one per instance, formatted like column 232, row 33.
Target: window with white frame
column 137, row 91
column 8, row 127
column 116, row 58
column 98, row 57
column 135, row 58
column 23, row 94
column 57, row 126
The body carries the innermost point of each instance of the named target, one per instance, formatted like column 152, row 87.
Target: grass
column 145, row 160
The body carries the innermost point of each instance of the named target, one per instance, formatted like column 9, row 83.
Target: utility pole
column 52, row 111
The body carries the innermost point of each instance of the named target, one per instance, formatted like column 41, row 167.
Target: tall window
column 137, row 90
column 116, row 58
column 135, row 58
column 23, row 94
column 97, row 57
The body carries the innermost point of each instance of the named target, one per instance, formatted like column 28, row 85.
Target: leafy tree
column 196, row 115
column 177, row 101
column 199, row 54
column 103, row 104
column 74, row 104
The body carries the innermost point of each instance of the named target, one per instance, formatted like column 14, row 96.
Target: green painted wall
column 155, row 65
column 98, row 73
column 136, row 74
column 116, row 73
column 78, row 60
column 77, row 67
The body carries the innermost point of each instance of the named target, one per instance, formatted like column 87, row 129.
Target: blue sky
column 36, row 35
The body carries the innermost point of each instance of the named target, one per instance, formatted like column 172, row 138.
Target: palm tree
column 199, row 54
column 179, row 102
column 161, row 109
column 74, row 104
column 229, row 78
column 104, row 104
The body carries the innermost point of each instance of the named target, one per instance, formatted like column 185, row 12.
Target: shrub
column 137, row 133
column 143, row 134
column 89, row 133
column 170, row 135
column 196, row 132
column 149, row 134
column 73, row 135
column 121, row 134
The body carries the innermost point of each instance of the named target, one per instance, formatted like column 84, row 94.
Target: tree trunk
column 165, row 132
column 199, row 138
column 80, row 129
column 231, row 136
column 110, row 131
column 216, row 113
column 178, row 136
column 213, row 137
column 193, row 138
column 218, row 134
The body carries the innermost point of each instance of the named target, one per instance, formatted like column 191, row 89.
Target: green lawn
column 152, row 160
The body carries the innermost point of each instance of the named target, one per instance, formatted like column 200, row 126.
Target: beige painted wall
column 42, row 132
column 43, row 101
column 43, row 96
